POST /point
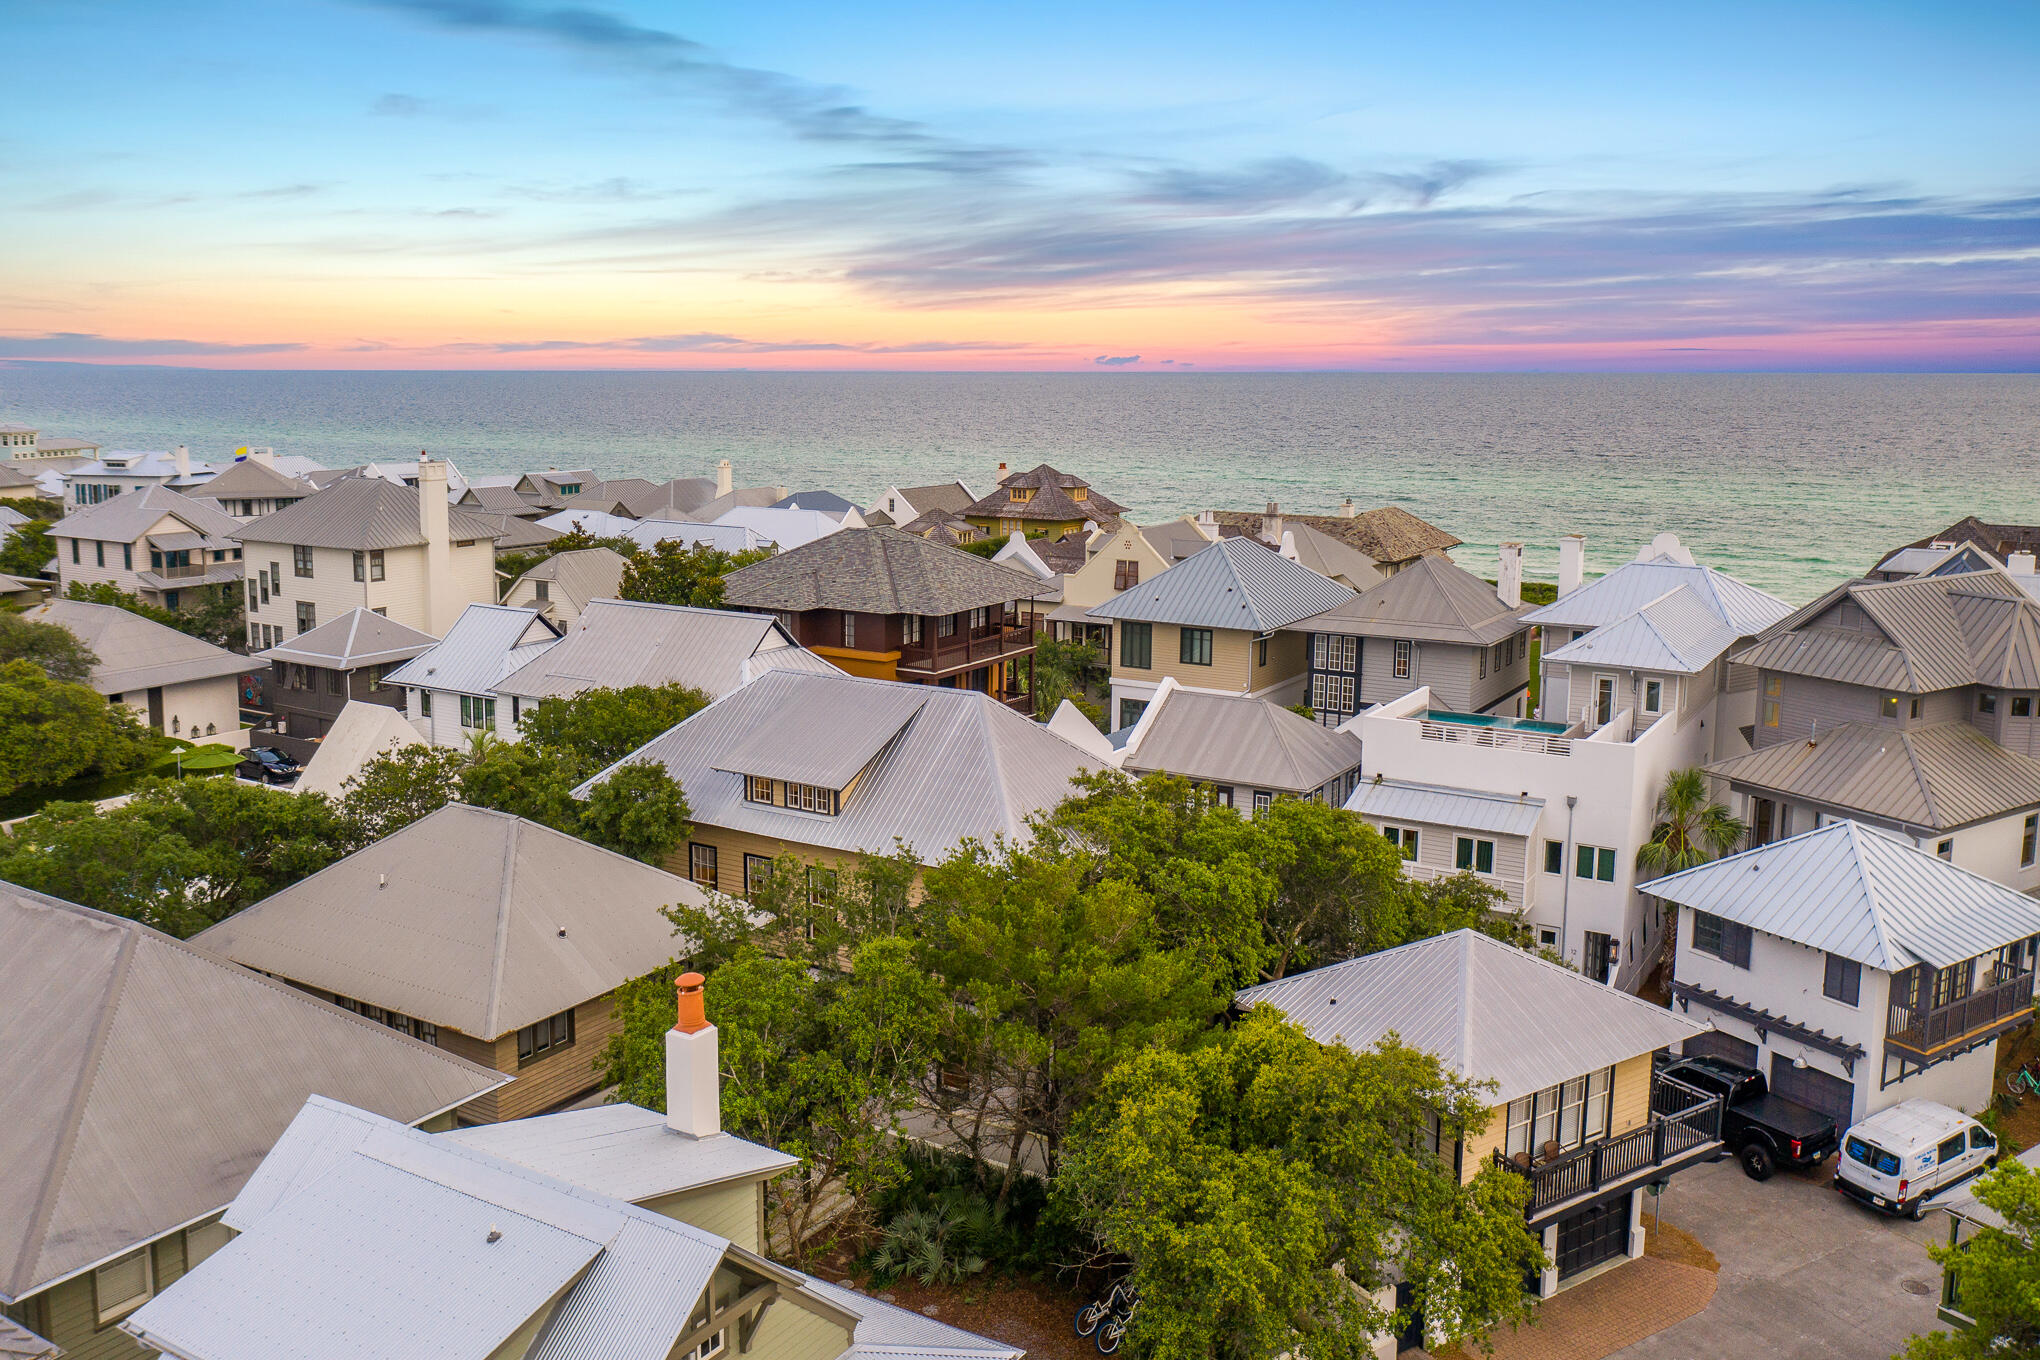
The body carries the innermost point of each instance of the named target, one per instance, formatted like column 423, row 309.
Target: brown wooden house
column 314, row 675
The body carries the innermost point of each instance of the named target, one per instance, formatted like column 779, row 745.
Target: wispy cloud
column 1116, row 360
column 697, row 342
column 83, row 345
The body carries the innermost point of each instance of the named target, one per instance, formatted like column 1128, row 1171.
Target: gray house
column 1248, row 751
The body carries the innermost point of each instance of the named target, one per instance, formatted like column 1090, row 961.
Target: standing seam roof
column 1233, row 583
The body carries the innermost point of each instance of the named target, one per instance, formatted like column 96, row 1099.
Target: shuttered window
column 1726, row 940
column 1844, row 980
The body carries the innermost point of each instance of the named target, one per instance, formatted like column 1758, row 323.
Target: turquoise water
column 1502, row 720
column 1792, row 482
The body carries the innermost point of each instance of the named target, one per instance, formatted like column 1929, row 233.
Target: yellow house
column 1577, row 1110
column 1042, row 501
column 1115, row 560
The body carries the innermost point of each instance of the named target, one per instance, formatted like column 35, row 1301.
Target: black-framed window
column 307, row 616
column 301, row 560
column 701, row 864
column 1137, row 645
column 1596, row 862
column 811, row 798
column 1844, row 980
column 127, row 556
column 2029, row 840
column 1195, row 648
column 757, row 789
column 1554, row 857
column 821, row 885
column 1125, row 575
column 1261, row 657
column 360, row 565
column 757, row 873
column 1570, row 1114
column 2022, row 706
column 1403, row 838
column 1473, row 853
column 1726, row 940
column 547, row 1036
column 1263, row 800
column 1130, row 711
column 1405, row 659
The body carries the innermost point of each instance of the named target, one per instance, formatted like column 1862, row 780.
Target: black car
column 267, row 764
column 1760, row 1128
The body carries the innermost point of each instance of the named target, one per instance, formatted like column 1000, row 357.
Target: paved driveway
column 1804, row 1272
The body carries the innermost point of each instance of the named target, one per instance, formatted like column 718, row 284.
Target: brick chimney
column 1572, row 563
column 725, row 479
column 1509, row 579
column 693, row 1066
column 440, row 603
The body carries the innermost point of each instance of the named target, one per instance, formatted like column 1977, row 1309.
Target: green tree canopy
column 602, row 726
column 1256, row 1181
column 215, row 614
column 683, row 573
column 28, row 548
column 52, row 731
column 1997, row 1276
column 53, row 647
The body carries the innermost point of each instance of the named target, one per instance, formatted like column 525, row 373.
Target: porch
column 1936, row 1015
column 965, row 648
column 1684, row 1127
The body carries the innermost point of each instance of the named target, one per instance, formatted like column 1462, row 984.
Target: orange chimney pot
column 693, row 1014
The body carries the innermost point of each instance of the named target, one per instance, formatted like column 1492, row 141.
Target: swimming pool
column 1547, row 729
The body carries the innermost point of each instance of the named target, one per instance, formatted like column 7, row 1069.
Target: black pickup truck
column 1760, row 1128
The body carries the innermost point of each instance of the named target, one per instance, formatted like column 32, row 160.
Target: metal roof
column 1937, row 777
column 729, row 538
column 1679, row 633
column 884, row 1329
column 624, row 1151
column 136, row 653
column 789, row 528
column 1233, row 739
column 145, row 1078
column 480, row 649
column 1963, row 1203
column 362, row 732
column 823, row 745
column 19, row 1343
column 877, row 571
column 360, row 637
column 618, row 643
column 828, row 502
column 513, row 532
column 576, row 577
column 1486, row 1010
column 1403, row 800
column 1631, row 586
column 359, row 512
column 1233, row 583
column 468, row 918
column 124, row 519
column 250, row 480
column 964, row 765
column 1431, row 600
column 1854, row 891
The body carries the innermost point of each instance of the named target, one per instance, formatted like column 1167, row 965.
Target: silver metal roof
column 1679, row 633
column 963, row 766
column 468, row 918
column 789, row 528
column 478, row 651
column 248, row 479
column 360, row 637
column 359, row 512
column 624, row 1151
column 1403, row 800
column 124, row 519
column 136, row 653
column 614, row 644
column 1430, row 600
column 884, row 1329
column 1233, row 739
column 1859, row 893
column 1486, row 1010
column 825, row 746
column 729, row 538
column 1935, row 778
column 145, row 1078
column 577, row 576
column 1233, row 583
column 1963, row 1203
column 362, row 732
column 1631, row 586
column 1915, row 636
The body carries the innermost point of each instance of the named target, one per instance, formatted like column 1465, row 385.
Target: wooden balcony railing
column 185, row 573
column 1684, row 1122
column 968, row 649
column 1925, row 1031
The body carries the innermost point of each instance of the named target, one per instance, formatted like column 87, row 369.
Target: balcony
column 1496, row 732
column 1926, row 1033
column 1684, row 1127
column 976, row 648
column 195, row 571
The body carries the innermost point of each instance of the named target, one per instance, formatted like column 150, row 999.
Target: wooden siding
column 550, row 1080
column 1629, row 1107
column 1235, row 661
column 789, row 1332
column 732, row 846
column 735, row 1211
column 68, row 1316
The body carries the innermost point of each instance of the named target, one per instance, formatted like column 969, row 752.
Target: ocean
column 1791, row 482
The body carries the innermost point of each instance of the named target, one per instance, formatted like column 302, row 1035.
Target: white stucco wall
column 332, row 589
column 188, row 708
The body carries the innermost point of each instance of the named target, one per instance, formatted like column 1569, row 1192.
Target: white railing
column 1498, row 738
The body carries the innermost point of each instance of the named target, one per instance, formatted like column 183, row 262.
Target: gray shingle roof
column 19, row 1343
column 136, row 653
column 1234, row 739
column 1914, row 636
column 124, row 519
column 1403, row 800
column 11, row 477
column 1051, row 500
column 1388, row 534
column 469, row 918
column 513, row 533
column 954, row 497
column 1859, row 893
column 480, row 649
column 1936, row 777
column 618, row 643
column 876, row 571
column 1233, row 583
column 1430, row 600
column 1677, row 633
column 359, row 512
column 360, row 637
column 1487, row 1011
column 145, row 1078
column 964, row 765
column 1631, row 586
column 501, row 499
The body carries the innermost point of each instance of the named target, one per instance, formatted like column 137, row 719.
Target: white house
column 154, row 542
column 125, row 471
column 1854, row 968
column 178, row 684
column 450, row 691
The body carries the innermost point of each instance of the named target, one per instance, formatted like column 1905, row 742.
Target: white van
column 1899, row 1156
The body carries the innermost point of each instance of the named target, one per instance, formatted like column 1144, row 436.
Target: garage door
column 1715, row 1044
column 1593, row 1236
column 1814, row 1089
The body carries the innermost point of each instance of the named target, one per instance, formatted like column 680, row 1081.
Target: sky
column 1133, row 188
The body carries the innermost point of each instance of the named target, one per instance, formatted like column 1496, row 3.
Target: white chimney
column 440, row 604
column 1346, row 510
column 1288, row 548
column 725, row 479
column 1207, row 524
column 1509, row 579
column 1572, row 563
column 2020, row 564
column 693, row 1066
column 999, row 477
column 181, row 459
column 1271, row 525
column 266, row 457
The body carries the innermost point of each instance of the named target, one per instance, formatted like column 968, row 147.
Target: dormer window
column 758, row 790
column 1078, row 493
column 788, row 794
column 1020, row 494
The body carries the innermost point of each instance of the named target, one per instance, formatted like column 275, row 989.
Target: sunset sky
column 1142, row 187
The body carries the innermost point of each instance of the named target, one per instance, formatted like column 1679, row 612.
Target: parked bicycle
column 1104, row 1320
column 2025, row 1081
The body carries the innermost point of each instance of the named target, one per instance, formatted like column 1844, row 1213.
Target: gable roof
column 1233, row 583
column 359, row 512
column 12, row 477
column 1859, row 893
column 1333, row 557
column 502, row 499
column 618, row 643
column 625, row 1151
column 486, row 643
column 1654, row 575
column 1678, row 632
column 788, row 528
column 1486, row 1010
column 1234, row 739
column 468, row 918
column 1388, row 534
column 124, row 519
column 1433, row 599
column 578, row 575
column 255, row 481
column 513, row 532
column 953, row 497
column 362, row 732
column 1051, row 500
column 1406, row 800
column 136, row 653
column 360, row 637
column 877, row 571
column 138, row 1098
column 1922, row 634
column 947, row 763
column 828, row 502
column 2002, row 539
column 1936, row 777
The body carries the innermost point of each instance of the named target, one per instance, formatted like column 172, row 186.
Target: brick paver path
column 1610, row 1311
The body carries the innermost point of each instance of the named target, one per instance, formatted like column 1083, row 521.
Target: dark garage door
column 1814, row 1089
column 1592, row 1236
column 1715, row 1044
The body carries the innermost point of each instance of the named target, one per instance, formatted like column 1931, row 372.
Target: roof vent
column 563, row 932
column 382, row 881
column 495, row 1233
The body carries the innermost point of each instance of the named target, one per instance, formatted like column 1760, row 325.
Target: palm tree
column 1691, row 829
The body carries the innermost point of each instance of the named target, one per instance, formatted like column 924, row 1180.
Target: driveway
column 1805, row 1272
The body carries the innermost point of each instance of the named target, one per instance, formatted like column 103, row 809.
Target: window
column 1952, row 984
column 1080, row 493
column 1137, row 646
column 1844, row 980
column 253, row 599
column 1020, row 494
column 701, row 864
column 1222, row 795
column 1774, row 685
column 1595, row 862
column 1951, row 1149
column 810, row 798
column 424, row 703
column 1570, row 1115
column 757, row 789
column 910, row 629
column 547, row 1036
column 74, row 552
column 1986, row 702
column 757, row 874
column 262, row 580
column 1405, row 658
column 1483, row 662
column 1770, row 712
column 945, row 626
column 336, row 682
column 360, row 565
column 1726, row 940
column 1653, row 696
column 980, row 619
column 1125, row 575
column 849, row 630
column 477, row 712
column 1554, row 857
column 1263, row 800
column 123, row 1285
column 1547, row 938
column 307, row 616
column 127, row 556
column 1262, row 658
column 1946, row 850
column 1404, row 838
column 2028, row 838
column 1477, row 855
column 2022, row 706
column 1980, row 1138
column 1915, row 711
column 1130, row 711
column 301, row 561
column 202, row 1241
column 713, row 1345
column 1196, row 647
column 99, row 552
column 821, row 886
column 375, row 564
